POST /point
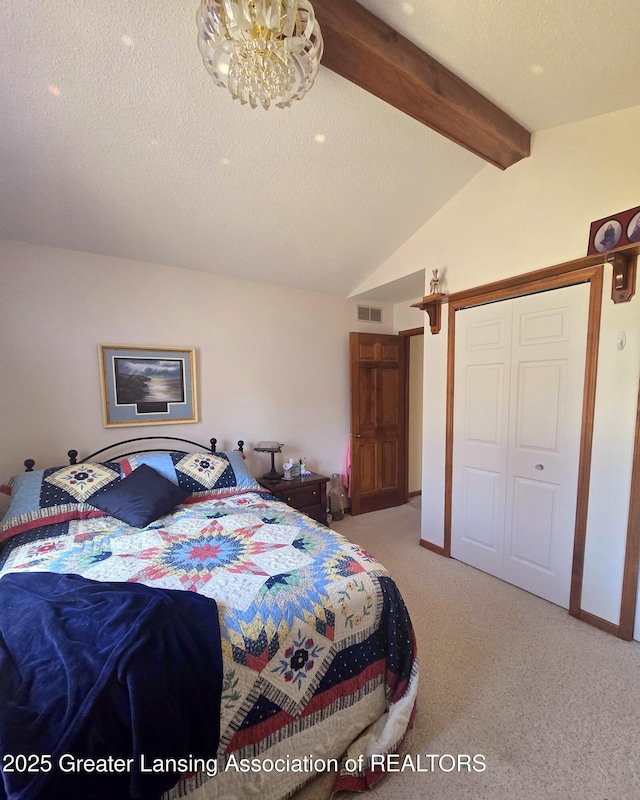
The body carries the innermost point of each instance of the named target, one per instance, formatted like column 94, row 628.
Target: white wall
column 272, row 362
column 405, row 318
column 536, row 214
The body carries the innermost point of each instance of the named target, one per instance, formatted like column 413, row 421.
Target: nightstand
column 307, row 494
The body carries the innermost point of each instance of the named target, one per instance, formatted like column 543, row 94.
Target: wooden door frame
column 530, row 283
column 632, row 551
column 408, row 333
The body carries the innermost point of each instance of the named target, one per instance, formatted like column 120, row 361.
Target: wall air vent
column 369, row 314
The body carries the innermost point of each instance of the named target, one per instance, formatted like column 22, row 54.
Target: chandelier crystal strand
column 263, row 51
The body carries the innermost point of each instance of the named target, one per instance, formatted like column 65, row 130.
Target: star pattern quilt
column 319, row 657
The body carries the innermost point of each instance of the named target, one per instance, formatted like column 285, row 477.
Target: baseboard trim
column 415, row 494
column 435, row 548
column 601, row 624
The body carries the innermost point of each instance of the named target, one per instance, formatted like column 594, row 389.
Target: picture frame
column 614, row 231
column 147, row 385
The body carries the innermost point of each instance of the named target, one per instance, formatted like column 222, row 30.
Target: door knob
column 357, row 436
column 539, row 466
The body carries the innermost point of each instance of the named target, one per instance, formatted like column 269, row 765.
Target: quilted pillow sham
column 141, row 498
column 199, row 473
column 56, row 494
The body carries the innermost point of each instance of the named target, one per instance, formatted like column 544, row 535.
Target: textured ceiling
column 114, row 140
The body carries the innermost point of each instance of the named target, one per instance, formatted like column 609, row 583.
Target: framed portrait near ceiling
column 614, row 231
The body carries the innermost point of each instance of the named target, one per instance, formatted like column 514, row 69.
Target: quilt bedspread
column 315, row 634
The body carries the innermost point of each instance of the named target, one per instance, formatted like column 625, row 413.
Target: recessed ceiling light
column 225, row 161
column 53, row 90
column 127, row 40
column 320, row 138
column 408, row 9
column 537, row 69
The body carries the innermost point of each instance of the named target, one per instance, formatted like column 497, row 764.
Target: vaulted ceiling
column 114, row 140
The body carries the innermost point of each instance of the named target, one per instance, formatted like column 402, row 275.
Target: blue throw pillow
column 140, row 498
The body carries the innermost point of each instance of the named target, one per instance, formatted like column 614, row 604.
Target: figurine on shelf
column 303, row 466
column 434, row 284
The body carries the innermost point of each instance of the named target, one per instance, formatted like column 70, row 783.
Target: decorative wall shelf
column 432, row 304
column 623, row 260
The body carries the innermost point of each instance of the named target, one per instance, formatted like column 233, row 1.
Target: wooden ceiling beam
column 366, row 51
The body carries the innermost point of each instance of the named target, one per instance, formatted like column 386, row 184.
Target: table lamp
column 273, row 448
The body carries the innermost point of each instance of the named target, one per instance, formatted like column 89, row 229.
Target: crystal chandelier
column 262, row 51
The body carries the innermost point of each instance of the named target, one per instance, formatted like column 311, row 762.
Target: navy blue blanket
column 103, row 671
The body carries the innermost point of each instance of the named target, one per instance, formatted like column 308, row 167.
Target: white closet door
column 517, row 499
column 481, row 434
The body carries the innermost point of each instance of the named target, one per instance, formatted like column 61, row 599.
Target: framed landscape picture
column 147, row 385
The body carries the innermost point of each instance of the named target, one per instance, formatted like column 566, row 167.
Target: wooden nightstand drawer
column 301, row 496
column 307, row 494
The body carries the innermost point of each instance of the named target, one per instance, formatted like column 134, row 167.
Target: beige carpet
column 551, row 703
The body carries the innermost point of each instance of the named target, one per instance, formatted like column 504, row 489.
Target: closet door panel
column 547, row 382
column 481, row 405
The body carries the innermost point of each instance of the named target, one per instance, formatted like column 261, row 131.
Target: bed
column 304, row 658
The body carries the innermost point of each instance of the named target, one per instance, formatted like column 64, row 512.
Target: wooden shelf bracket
column 623, row 280
column 432, row 304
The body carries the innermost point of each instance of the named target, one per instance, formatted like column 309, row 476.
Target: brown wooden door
column 378, row 364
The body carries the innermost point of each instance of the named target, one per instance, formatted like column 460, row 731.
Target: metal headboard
column 73, row 454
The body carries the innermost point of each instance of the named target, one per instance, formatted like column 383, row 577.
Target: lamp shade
column 268, row 447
